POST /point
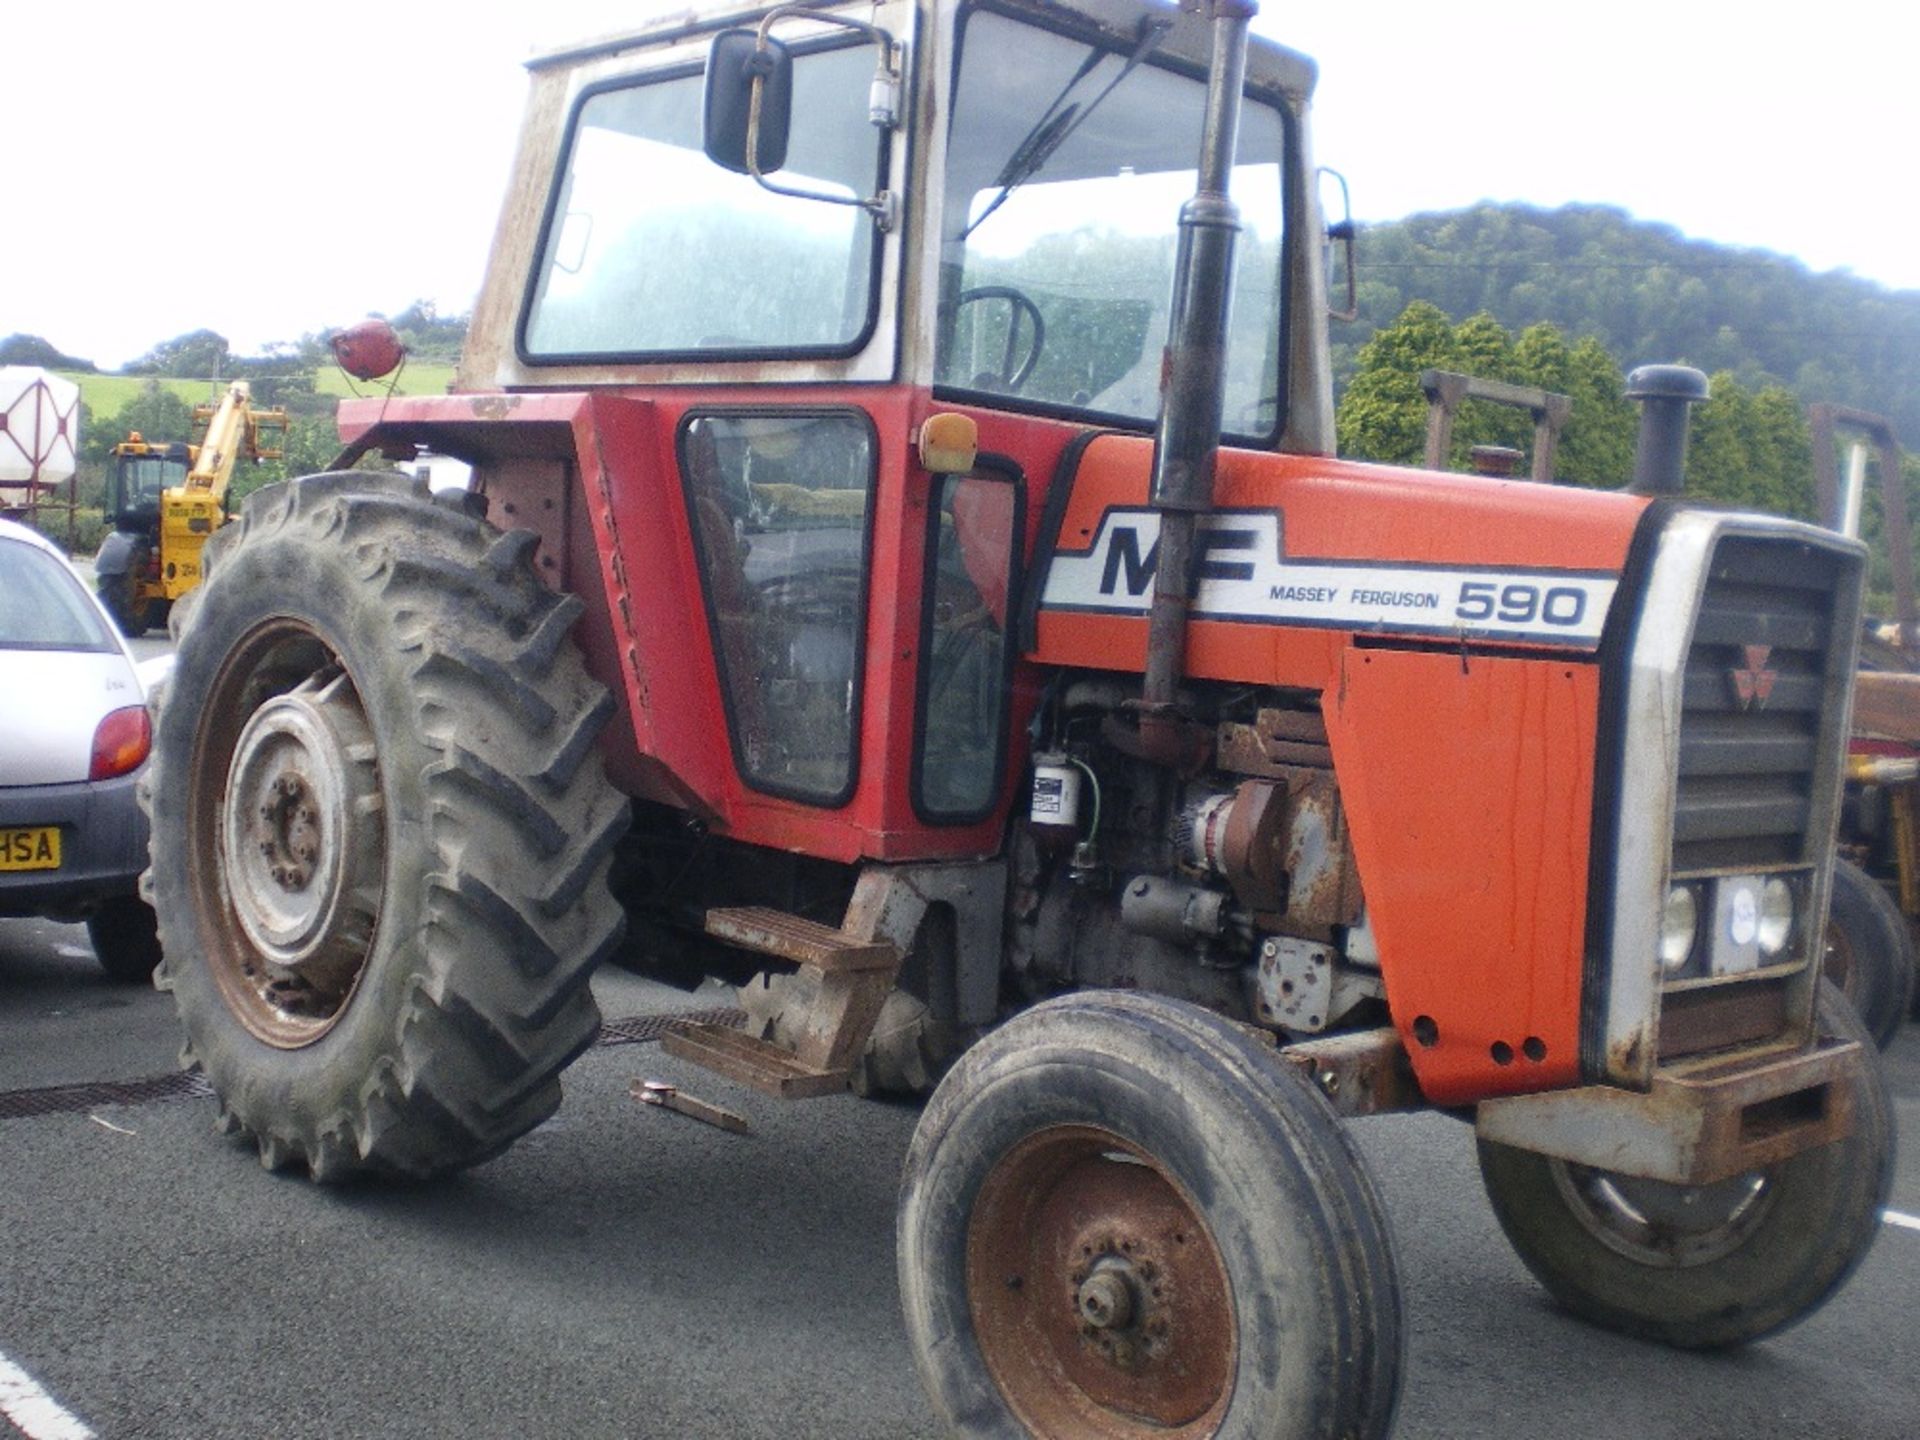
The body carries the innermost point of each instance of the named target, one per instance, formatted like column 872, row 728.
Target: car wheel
column 386, row 884
column 126, row 938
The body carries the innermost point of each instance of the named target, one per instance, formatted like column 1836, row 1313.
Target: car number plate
column 33, row 848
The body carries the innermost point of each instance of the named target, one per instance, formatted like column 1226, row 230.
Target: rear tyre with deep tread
column 381, row 831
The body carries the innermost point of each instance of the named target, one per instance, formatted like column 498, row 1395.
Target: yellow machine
column 166, row 499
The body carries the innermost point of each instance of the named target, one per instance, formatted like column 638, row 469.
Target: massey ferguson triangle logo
column 1755, row 683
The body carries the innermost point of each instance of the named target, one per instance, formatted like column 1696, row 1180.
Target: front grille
column 1764, row 675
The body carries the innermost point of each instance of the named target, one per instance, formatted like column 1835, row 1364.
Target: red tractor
column 905, row 573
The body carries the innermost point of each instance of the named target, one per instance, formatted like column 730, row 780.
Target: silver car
column 74, row 733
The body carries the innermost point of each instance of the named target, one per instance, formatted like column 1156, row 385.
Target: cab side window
column 780, row 505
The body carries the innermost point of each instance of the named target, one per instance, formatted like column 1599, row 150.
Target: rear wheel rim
column 286, row 793
column 1099, row 1298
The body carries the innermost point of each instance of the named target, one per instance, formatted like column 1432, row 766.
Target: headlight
column 1776, row 916
column 1679, row 922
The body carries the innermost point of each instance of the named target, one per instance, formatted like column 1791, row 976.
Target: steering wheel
column 1015, row 364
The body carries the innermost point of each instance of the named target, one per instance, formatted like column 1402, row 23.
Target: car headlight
column 1679, row 923
column 1776, row 916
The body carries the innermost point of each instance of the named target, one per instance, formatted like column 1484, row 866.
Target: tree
column 1382, row 416
column 1648, row 293
column 1596, row 448
column 156, row 412
column 307, row 448
column 1751, row 449
column 32, row 350
column 428, row 334
column 197, row 355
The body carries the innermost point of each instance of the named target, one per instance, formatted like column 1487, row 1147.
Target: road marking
column 1905, row 1222
column 34, row 1413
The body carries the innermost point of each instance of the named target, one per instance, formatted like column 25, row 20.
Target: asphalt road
column 628, row 1272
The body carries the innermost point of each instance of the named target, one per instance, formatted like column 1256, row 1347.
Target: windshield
column 42, row 606
column 1056, row 278
column 142, row 479
column 651, row 248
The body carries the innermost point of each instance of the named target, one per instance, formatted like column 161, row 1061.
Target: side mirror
column 1341, row 232
column 736, row 60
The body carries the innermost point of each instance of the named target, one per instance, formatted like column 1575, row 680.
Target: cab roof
column 1270, row 66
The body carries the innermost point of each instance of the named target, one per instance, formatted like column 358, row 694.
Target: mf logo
column 1126, row 565
column 1753, row 685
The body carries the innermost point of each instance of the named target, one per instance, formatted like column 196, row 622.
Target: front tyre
column 120, row 596
column 381, row 831
column 1125, row 1217
column 1870, row 951
column 1712, row 1265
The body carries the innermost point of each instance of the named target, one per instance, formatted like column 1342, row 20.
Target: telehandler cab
column 896, row 578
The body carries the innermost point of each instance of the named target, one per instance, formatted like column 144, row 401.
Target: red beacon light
column 368, row 350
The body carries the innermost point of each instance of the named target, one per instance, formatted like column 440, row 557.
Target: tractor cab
column 968, row 214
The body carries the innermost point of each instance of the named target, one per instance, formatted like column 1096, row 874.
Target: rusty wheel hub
column 302, row 849
column 1100, row 1301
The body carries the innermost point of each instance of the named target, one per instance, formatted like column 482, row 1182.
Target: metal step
column 739, row 1056
column 805, row 942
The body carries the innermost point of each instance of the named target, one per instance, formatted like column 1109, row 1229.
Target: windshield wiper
column 1058, row 121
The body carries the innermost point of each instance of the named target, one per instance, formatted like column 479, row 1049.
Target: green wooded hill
column 1648, row 293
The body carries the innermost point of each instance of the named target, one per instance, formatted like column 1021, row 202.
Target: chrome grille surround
column 1709, row 785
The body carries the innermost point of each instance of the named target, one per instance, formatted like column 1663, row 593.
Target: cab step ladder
column 844, row 980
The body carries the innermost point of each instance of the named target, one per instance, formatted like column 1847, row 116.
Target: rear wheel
column 386, row 884
column 1102, row 1202
column 1870, row 951
column 1710, row 1265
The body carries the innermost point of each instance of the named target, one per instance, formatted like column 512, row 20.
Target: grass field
column 421, row 377
column 107, row 395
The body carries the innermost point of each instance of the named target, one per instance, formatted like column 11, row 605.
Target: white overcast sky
column 289, row 168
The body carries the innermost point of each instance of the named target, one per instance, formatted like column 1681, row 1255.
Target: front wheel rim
column 1099, row 1298
column 1668, row 1227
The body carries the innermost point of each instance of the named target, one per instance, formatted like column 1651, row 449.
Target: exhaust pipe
column 1187, row 440
column 1665, row 394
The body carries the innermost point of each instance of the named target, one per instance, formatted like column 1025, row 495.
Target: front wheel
column 120, row 595
column 383, row 883
column 1104, row 1203
column 1870, row 951
column 1704, row 1266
